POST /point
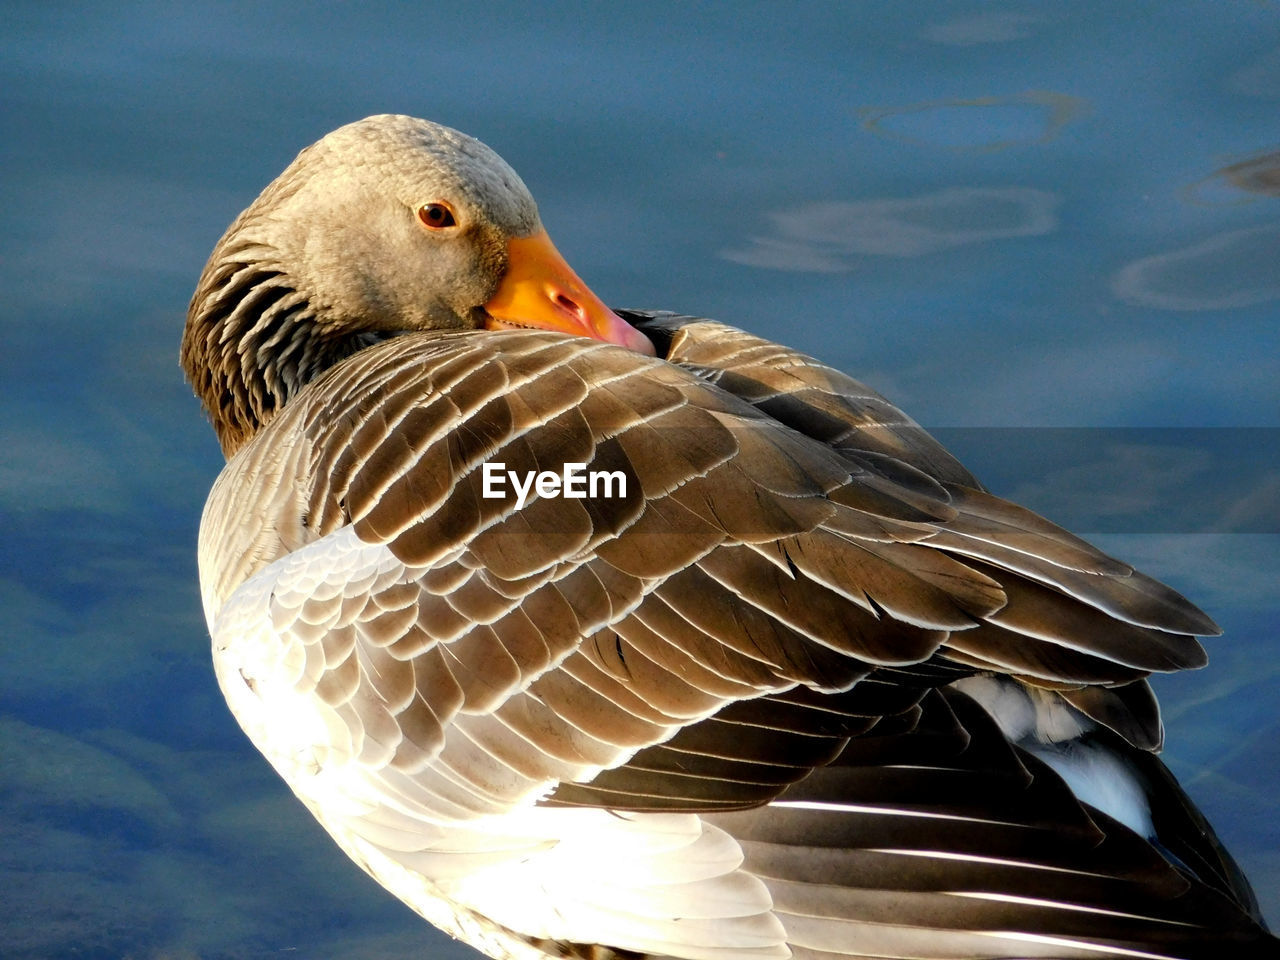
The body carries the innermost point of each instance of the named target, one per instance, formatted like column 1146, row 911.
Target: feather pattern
column 799, row 688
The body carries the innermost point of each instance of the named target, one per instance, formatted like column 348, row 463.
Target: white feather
column 1048, row 727
column 662, row 883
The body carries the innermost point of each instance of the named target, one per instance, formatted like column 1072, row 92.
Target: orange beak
column 541, row 290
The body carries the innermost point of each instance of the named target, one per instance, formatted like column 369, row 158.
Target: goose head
column 386, row 226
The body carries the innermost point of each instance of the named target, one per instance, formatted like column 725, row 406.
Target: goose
column 787, row 682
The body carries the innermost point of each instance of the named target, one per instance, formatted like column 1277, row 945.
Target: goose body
column 796, row 687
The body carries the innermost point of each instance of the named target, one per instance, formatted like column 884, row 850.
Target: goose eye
column 436, row 216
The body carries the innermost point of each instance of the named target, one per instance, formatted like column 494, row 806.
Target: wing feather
column 746, row 637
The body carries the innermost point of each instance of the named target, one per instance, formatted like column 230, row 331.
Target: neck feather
column 251, row 343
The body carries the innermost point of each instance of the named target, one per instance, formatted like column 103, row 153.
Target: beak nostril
column 568, row 303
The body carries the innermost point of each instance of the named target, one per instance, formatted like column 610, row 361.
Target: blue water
column 1005, row 216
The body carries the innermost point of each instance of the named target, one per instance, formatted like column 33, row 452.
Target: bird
column 614, row 634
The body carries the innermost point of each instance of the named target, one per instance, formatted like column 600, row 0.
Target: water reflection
column 1245, row 181
column 996, row 26
column 1260, row 174
column 827, row 237
column 1232, row 269
column 982, row 124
